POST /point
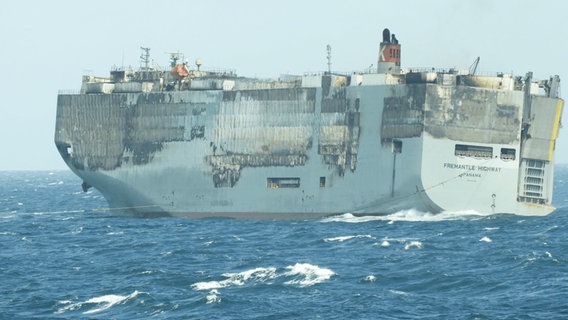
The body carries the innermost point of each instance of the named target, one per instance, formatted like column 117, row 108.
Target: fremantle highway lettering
column 471, row 170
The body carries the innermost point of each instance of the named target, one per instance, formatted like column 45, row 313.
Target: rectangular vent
column 480, row 152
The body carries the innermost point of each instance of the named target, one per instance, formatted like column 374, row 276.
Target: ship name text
column 470, row 167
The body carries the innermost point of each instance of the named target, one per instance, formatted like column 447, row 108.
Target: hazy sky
column 48, row 45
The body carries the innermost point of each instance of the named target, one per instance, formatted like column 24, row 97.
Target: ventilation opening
column 464, row 150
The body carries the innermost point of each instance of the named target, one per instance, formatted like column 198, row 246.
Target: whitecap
column 146, row 272
column 420, row 216
column 302, row 274
column 398, row 292
column 350, row 218
column 213, row 296
column 413, row 244
column 344, row 238
column 371, row 278
column 237, row 279
column 491, row 229
column 385, row 244
column 308, row 274
column 485, row 239
column 410, row 215
column 101, row 303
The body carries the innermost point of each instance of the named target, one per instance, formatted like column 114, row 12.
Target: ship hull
column 320, row 148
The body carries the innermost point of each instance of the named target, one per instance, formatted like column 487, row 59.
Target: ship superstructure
column 201, row 143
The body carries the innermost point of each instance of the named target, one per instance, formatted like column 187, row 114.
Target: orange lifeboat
column 180, row 71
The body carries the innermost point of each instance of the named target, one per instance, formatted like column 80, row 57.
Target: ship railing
column 221, row 72
column 69, row 91
column 435, row 70
column 335, row 73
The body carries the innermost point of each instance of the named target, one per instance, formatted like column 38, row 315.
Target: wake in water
column 409, row 215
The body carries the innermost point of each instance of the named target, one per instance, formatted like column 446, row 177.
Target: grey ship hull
column 317, row 146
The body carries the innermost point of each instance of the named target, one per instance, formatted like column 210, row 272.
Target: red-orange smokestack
column 389, row 54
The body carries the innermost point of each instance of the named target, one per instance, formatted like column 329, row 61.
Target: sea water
column 64, row 256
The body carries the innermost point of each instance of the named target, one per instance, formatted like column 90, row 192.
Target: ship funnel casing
column 389, row 54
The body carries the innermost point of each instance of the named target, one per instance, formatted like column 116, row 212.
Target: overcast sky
column 48, row 45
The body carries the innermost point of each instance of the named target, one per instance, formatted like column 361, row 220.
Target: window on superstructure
column 322, row 182
column 508, row 154
column 479, row 152
column 276, row 183
column 397, row 146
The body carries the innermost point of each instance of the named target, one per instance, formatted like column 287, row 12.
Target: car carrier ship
column 187, row 142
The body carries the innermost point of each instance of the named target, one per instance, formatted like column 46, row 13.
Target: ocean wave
column 213, row 296
column 413, row 244
column 98, row 303
column 302, row 274
column 410, row 215
column 7, row 215
column 237, row 279
column 308, row 275
column 370, row 278
column 345, row 238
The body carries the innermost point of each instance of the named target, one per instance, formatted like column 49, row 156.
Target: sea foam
column 344, row 238
column 302, row 274
column 410, row 215
column 308, row 275
column 100, row 303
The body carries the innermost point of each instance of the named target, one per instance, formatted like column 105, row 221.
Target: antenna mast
column 145, row 59
column 328, row 58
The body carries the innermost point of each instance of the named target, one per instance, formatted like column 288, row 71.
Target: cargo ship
column 182, row 141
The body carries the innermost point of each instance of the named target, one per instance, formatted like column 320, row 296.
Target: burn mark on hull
column 227, row 168
column 471, row 114
column 403, row 115
column 247, row 128
column 339, row 136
